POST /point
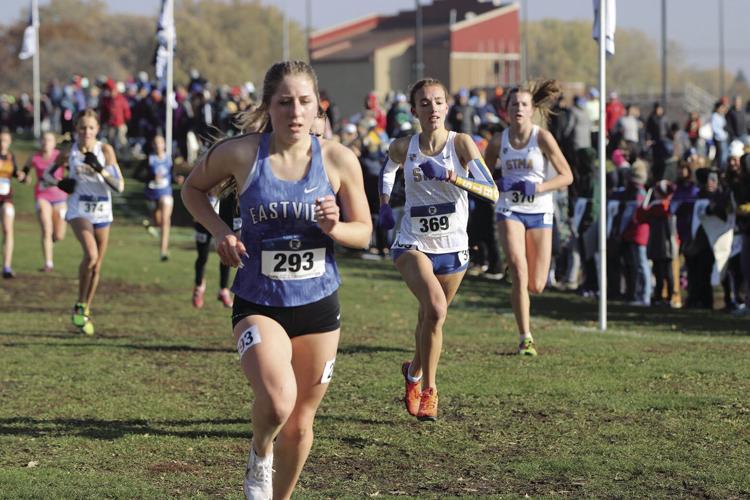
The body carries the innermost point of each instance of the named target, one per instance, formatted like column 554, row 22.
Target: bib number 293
column 293, row 262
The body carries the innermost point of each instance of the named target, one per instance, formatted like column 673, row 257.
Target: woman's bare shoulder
column 239, row 149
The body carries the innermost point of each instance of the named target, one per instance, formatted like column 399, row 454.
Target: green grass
column 155, row 406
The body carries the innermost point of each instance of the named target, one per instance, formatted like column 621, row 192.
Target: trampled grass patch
column 154, row 406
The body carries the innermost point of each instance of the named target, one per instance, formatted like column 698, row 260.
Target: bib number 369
column 434, row 224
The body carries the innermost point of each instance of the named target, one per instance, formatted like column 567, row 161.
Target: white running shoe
column 258, row 484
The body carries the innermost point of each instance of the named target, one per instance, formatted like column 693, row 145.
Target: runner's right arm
column 222, row 162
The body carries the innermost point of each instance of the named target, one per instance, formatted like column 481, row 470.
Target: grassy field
column 154, row 406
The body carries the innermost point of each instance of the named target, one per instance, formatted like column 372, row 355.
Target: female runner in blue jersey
column 158, row 192
column 431, row 250
column 286, row 311
column 524, row 153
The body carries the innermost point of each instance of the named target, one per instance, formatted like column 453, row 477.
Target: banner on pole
column 609, row 25
column 28, row 47
column 164, row 31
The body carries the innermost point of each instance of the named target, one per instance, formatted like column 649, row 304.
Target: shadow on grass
column 115, row 429
column 109, row 345
column 369, row 349
column 558, row 306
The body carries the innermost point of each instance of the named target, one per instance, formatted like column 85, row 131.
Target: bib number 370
column 521, row 198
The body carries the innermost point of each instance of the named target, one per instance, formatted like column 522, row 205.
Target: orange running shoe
column 198, row 292
column 428, row 404
column 225, row 298
column 411, row 395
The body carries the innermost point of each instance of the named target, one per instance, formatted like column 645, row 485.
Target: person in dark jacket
column 661, row 236
column 737, row 121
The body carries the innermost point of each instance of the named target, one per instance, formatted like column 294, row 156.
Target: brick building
column 466, row 43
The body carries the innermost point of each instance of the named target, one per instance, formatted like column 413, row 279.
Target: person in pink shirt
column 50, row 200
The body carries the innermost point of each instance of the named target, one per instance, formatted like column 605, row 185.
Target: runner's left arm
column 111, row 172
column 480, row 184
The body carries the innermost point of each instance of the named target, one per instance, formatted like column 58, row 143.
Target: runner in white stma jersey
column 524, row 153
column 431, row 249
column 92, row 174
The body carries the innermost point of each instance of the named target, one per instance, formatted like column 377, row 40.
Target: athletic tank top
column 43, row 190
column 291, row 259
column 435, row 212
column 526, row 164
column 7, row 169
column 92, row 198
column 161, row 171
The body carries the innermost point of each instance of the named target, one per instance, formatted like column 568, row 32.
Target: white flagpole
column 37, row 97
column 171, row 33
column 602, row 167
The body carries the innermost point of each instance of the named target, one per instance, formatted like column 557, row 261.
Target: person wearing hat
column 462, row 115
column 398, row 114
column 635, row 239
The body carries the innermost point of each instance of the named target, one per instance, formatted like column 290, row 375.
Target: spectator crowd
column 678, row 194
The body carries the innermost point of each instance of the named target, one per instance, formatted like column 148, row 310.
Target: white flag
column 164, row 30
column 609, row 25
column 28, row 47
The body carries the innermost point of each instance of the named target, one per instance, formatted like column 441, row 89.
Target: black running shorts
column 317, row 317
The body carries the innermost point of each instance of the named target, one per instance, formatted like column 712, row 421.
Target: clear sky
column 692, row 23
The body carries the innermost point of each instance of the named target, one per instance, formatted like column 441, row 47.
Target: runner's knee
column 275, row 409
column 537, row 285
column 298, row 430
column 435, row 312
column 90, row 259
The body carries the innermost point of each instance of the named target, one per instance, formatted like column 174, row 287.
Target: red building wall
column 497, row 34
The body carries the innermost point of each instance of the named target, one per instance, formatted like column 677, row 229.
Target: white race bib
column 96, row 210
column 4, row 186
column 159, row 183
column 433, row 220
column 293, row 264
